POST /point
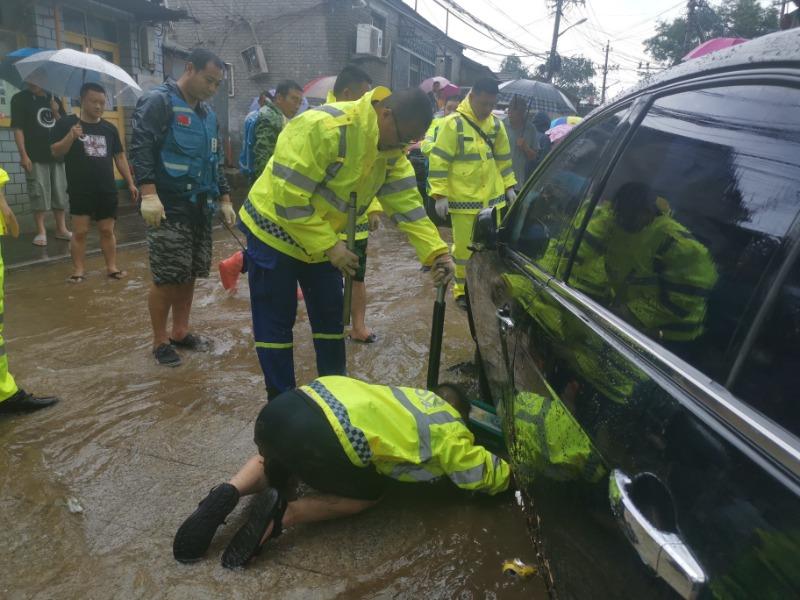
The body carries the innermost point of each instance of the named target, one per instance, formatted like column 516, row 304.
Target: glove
column 228, row 214
column 152, row 210
column 342, row 258
column 443, row 269
column 441, row 208
column 511, row 196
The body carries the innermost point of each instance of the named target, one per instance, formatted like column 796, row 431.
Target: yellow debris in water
column 517, row 568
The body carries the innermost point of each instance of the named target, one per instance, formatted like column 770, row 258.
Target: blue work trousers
column 273, row 301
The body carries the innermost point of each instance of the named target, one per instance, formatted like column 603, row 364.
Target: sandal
column 76, row 278
column 40, row 240
column 267, row 507
column 371, row 339
column 66, row 236
column 117, row 275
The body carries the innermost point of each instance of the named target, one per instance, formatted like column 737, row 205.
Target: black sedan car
column 637, row 320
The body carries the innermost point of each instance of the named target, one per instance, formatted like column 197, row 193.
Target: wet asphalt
column 94, row 488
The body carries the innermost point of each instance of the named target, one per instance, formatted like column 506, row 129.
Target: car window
column 688, row 229
column 769, row 377
column 543, row 216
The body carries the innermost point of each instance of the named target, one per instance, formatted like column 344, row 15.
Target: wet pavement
column 94, row 488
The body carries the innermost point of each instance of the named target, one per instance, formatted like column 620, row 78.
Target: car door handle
column 504, row 319
column 663, row 551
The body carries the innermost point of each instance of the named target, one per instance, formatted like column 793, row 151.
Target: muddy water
column 92, row 490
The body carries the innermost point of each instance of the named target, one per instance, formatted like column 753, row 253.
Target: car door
column 648, row 475
column 543, row 217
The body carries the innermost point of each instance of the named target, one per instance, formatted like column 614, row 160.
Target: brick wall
column 302, row 39
column 38, row 22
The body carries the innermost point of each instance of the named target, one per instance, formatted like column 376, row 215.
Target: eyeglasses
column 400, row 141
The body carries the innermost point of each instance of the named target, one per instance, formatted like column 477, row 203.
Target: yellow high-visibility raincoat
column 406, row 434
column 299, row 205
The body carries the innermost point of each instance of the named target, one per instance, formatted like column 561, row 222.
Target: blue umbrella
column 8, row 72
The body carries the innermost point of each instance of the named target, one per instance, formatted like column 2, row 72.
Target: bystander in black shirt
column 32, row 114
column 89, row 162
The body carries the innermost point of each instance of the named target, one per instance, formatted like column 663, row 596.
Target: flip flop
column 267, row 507
column 64, row 236
column 117, row 275
column 371, row 339
column 76, row 278
column 40, row 240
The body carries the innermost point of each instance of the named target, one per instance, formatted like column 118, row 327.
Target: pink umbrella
column 318, row 88
column 713, row 45
column 446, row 88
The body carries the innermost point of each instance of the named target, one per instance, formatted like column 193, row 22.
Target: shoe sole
column 247, row 541
column 172, row 364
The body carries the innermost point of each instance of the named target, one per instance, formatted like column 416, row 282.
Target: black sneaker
column 267, row 507
column 195, row 533
column 166, row 356
column 190, row 341
column 23, row 402
column 461, row 302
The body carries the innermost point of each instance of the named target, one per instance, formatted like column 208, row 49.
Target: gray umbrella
column 538, row 95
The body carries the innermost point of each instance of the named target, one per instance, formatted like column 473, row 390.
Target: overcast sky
column 626, row 23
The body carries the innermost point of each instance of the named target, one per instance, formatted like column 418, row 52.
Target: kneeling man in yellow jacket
column 344, row 438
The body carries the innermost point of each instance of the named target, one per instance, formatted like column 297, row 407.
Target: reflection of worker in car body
column 661, row 276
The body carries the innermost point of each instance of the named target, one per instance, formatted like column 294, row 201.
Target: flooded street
column 94, row 489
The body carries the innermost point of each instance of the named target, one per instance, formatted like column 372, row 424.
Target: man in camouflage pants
column 271, row 119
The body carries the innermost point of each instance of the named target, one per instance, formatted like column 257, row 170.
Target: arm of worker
column 268, row 128
column 400, row 199
column 430, row 137
column 473, row 467
column 150, row 123
column 63, row 135
column 502, row 157
column 298, row 166
column 442, row 154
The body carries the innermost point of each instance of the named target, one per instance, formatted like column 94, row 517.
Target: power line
column 450, row 4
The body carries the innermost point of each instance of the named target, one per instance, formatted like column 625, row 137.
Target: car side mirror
column 484, row 232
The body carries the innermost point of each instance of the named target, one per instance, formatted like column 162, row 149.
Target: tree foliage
column 726, row 18
column 514, row 67
column 574, row 77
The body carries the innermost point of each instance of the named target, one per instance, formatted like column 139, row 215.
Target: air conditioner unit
column 254, row 60
column 369, row 39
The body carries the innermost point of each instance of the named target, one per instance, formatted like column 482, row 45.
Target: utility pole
column 551, row 60
column 605, row 73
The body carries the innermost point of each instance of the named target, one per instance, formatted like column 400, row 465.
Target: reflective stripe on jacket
column 462, row 166
column 299, row 204
column 406, row 434
column 189, row 157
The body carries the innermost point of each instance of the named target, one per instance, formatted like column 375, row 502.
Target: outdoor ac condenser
column 369, row 40
column 254, row 60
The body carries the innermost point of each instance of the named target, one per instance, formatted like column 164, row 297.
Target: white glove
column 152, row 210
column 228, row 214
column 441, row 207
column 511, row 196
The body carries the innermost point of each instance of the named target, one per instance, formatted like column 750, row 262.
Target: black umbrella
column 538, row 96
